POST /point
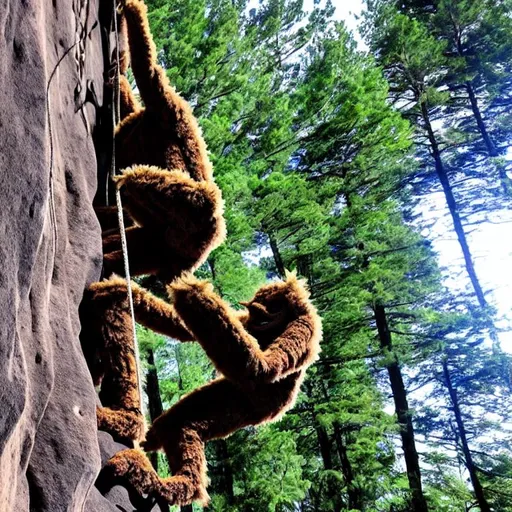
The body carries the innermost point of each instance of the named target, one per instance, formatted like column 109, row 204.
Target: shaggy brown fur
column 107, row 343
column 168, row 186
column 185, row 222
column 263, row 355
column 127, row 100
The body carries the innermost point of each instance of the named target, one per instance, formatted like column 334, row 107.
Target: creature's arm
column 159, row 96
column 234, row 352
column 150, row 311
column 142, row 48
column 296, row 348
column 158, row 315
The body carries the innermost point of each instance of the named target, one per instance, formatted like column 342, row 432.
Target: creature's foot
column 121, row 424
column 182, row 490
column 132, row 470
column 132, row 467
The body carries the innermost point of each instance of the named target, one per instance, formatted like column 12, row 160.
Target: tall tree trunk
column 355, row 498
column 325, row 446
column 177, row 352
column 276, row 254
column 327, row 488
column 223, row 471
column 419, row 502
column 457, row 223
column 155, row 407
column 354, row 495
column 492, row 150
column 489, row 144
column 154, row 400
column 468, row 459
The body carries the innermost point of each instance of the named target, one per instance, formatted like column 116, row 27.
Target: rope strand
column 116, row 114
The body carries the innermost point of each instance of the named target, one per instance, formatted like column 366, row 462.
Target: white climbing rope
column 116, row 115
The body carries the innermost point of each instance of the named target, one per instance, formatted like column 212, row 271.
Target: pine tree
column 416, row 66
column 316, row 168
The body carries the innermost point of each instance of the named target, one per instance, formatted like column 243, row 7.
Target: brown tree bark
column 155, row 408
column 277, row 255
column 468, row 458
column 325, row 447
column 154, row 400
column 403, row 413
column 223, row 471
column 457, row 222
column 355, row 498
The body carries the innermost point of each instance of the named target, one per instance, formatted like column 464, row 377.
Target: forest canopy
column 330, row 155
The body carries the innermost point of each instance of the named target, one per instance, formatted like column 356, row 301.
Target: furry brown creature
column 107, row 343
column 262, row 354
column 167, row 181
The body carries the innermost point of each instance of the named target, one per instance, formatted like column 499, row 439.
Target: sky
column 345, row 10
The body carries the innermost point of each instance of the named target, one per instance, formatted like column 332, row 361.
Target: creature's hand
column 120, row 179
column 153, row 440
column 120, row 6
column 113, row 288
column 188, row 285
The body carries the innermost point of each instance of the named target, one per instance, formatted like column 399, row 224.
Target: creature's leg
column 109, row 327
column 191, row 211
column 187, row 462
column 107, row 343
column 185, row 452
column 219, row 408
column 212, row 411
column 119, row 391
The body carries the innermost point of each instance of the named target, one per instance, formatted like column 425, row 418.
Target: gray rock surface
column 50, row 250
column 118, row 496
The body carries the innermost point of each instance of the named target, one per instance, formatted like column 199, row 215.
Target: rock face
column 52, row 57
column 50, row 250
column 118, row 497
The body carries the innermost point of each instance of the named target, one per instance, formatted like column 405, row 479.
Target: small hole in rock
column 39, row 358
column 78, row 411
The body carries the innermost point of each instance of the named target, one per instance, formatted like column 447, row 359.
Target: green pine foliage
column 321, row 152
